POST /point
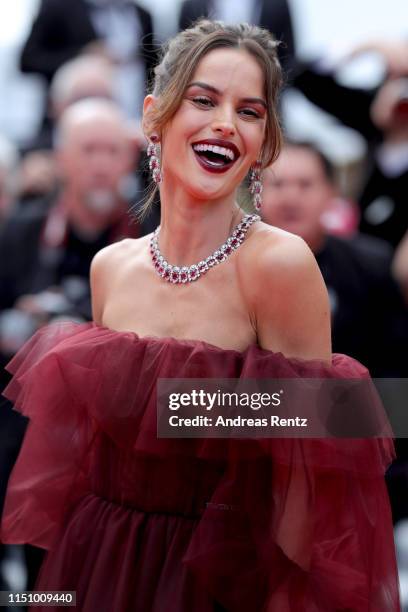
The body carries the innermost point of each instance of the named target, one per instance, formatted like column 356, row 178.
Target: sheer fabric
column 134, row 523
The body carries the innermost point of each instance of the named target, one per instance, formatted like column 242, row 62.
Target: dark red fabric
column 140, row 524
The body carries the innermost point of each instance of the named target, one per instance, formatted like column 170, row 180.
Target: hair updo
column 181, row 56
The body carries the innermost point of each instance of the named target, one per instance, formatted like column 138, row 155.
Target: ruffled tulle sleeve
column 291, row 524
column 51, row 474
column 300, row 524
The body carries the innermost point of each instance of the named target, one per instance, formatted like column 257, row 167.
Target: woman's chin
column 206, row 192
column 200, row 185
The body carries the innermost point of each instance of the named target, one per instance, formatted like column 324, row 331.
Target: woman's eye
column 202, row 101
column 250, row 112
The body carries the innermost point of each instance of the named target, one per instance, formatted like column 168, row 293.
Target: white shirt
column 116, row 23
column 237, row 11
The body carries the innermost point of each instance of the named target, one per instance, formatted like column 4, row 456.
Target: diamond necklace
column 188, row 274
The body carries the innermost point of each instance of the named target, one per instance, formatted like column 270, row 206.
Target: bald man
column 51, row 243
column 46, row 246
column 86, row 76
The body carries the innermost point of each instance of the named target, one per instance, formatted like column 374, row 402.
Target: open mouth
column 215, row 156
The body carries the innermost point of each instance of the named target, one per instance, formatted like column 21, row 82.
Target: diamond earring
column 255, row 185
column 154, row 152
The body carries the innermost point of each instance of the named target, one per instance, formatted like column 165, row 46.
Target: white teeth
column 215, row 149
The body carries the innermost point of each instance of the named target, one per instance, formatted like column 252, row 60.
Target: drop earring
column 255, row 185
column 154, row 153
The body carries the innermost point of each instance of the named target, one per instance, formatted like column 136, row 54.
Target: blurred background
column 73, row 74
column 319, row 26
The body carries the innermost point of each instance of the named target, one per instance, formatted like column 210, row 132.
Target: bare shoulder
column 113, row 254
column 106, row 265
column 285, row 293
column 273, row 254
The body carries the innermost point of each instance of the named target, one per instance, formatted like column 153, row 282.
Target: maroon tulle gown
column 134, row 523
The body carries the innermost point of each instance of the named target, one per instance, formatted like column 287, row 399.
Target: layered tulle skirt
column 134, row 522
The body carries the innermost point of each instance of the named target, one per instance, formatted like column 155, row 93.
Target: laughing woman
column 137, row 523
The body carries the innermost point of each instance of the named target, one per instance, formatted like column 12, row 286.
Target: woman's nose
column 223, row 123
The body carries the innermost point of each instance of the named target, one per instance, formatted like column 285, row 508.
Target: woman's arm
column 98, row 279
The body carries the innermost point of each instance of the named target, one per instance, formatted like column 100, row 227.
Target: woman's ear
column 149, row 106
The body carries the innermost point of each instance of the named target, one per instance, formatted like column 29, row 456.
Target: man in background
column 50, row 243
column 380, row 115
column 369, row 318
column 47, row 245
column 368, row 314
column 87, row 76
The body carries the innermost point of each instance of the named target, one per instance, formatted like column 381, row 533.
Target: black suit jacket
column 369, row 318
column 62, row 28
column 351, row 105
column 274, row 16
column 28, row 265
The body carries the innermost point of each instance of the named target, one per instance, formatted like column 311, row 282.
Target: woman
column 140, row 523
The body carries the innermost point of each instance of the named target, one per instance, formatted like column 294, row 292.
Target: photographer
column 380, row 116
column 46, row 246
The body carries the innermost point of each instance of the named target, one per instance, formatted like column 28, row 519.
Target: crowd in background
column 76, row 185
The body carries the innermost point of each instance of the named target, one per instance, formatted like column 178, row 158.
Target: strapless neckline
column 214, row 348
column 182, row 341
column 95, row 483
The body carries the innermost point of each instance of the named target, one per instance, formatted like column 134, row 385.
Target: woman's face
column 218, row 131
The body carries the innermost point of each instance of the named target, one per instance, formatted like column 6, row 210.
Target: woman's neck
column 192, row 229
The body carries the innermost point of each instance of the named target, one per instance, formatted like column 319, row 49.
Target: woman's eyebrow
column 205, row 86
column 255, row 101
column 217, row 91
